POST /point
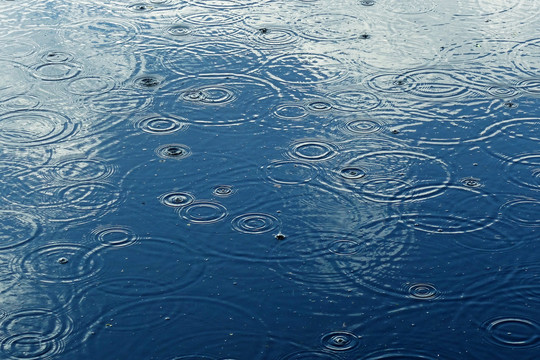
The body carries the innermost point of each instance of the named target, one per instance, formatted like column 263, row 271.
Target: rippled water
column 270, row 179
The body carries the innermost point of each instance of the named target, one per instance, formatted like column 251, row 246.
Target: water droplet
column 63, row 260
column 352, row 173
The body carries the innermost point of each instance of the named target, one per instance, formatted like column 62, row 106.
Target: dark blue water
column 260, row 180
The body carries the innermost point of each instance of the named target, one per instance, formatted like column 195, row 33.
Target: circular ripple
column 313, row 150
column 399, row 354
column 211, row 19
column 204, row 212
column 99, row 32
column 391, row 83
column 513, row 332
column 173, row 151
column 119, row 101
column 525, row 57
column 332, row 26
column 140, row 7
column 156, row 323
column 305, row 68
column 339, row 341
column 227, row 4
column 83, row 170
column 410, row 7
column 148, row 82
column 354, row 100
column 525, row 170
column 223, row 190
column 409, row 170
column 439, row 85
column 290, row 172
column 150, row 266
column 43, row 265
column 177, row 199
column 34, row 334
column 17, row 228
column 161, row 125
column 345, row 247
column 352, row 173
column 310, row 258
column 362, row 126
column 319, row 105
column 56, row 56
column 55, row 71
column 211, row 57
column 273, row 36
column 116, row 236
column 209, row 95
column 178, row 30
column 309, row 355
column 457, row 210
column 290, row 111
column 21, row 102
column 525, row 212
column 225, row 99
column 91, row 85
column 423, row 291
column 35, row 127
column 531, row 86
column 31, row 347
column 14, row 80
column 255, row 223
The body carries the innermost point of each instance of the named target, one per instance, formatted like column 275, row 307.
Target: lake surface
column 260, row 180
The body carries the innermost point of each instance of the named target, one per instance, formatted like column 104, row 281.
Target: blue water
column 270, row 179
